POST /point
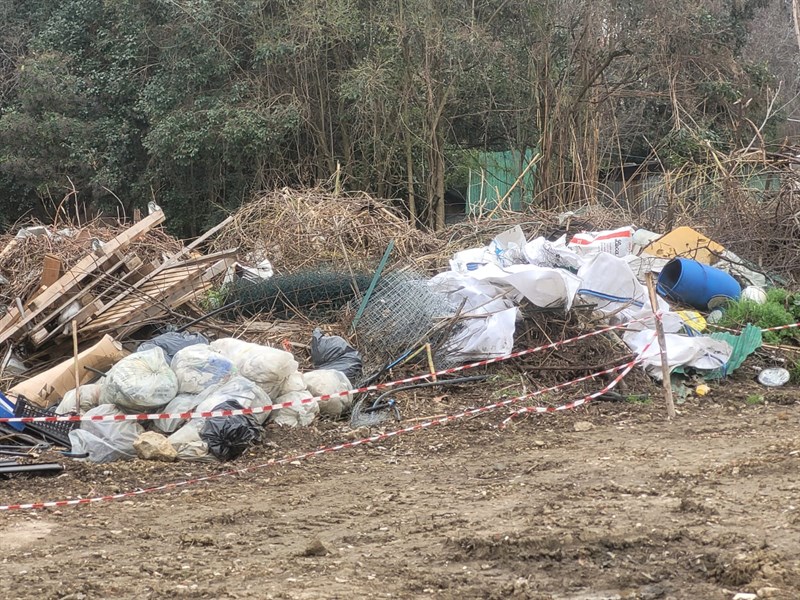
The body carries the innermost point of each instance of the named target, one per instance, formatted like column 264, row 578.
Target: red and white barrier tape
column 626, row 368
column 323, row 398
column 586, row 399
column 763, row 329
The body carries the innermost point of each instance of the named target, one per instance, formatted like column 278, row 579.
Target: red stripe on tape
column 345, row 445
column 323, row 398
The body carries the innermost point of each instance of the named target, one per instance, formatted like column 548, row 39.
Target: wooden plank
column 168, row 264
column 51, row 271
column 77, row 274
column 150, row 295
column 85, row 290
column 179, row 293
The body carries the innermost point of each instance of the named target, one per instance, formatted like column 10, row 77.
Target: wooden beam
column 51, row 272
column 59, row 291
column 171, row 263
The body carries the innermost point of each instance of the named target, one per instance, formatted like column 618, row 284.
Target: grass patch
column 782, row 308
column 754, row 399
column 638, row 399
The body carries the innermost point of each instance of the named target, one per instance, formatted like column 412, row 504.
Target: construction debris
column 113, row 289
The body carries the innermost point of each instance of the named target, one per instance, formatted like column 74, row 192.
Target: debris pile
column 290, row 263
column 114, row 287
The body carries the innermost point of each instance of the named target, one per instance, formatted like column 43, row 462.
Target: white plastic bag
column 90, row 398
column 508, row 247
column 140, row 382
column 293, row 383
column 199, row 367
column 179, row 404
column 189, row 445
column 245, row 392
column 297, row 415
column 323, row 382
column 106, row 441
column 268, row 367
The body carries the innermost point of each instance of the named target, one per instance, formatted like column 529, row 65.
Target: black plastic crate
column 56, row 432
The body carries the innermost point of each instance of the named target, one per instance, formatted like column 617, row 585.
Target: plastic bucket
column 698, row 285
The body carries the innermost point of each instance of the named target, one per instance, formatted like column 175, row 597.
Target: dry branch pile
column 22, row 259
column 305, row 229
column 301, row 229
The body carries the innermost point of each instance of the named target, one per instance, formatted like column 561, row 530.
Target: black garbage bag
column 333, row 352
column 229, row 437
column 172, row 341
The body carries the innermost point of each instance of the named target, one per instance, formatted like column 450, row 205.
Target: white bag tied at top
column 323, row 382
column 198, row 367
column 268, row 367
column 140, row 382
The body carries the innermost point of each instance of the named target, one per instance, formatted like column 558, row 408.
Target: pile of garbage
column 177, row 373
column 608, row 270
column 83, row 312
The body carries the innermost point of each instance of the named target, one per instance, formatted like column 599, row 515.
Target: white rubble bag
column 181, row 403
column 199, row 367
column 610, row 284
column 293, row 383
column 268, row 367
column 105, row 441
column 297, row 415
column 242, row 390
column 323, row 382
column 140, row 382
column 89, row 399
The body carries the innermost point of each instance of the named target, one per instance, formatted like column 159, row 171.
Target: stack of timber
column 112, row 290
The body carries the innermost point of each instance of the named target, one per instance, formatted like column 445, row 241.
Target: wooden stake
column 76, row 366
column 662, row 346
column 430, row 360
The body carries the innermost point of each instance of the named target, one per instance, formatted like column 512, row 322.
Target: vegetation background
column 198, row 104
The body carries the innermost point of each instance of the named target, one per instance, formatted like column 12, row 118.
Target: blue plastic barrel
column 698, row 285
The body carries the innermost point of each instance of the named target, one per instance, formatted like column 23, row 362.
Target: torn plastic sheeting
column 543, row 253
column 485, row 337
column 742, row 345
column 702, row 353
column 505, row 249
column 465, row 289
column 543, row 286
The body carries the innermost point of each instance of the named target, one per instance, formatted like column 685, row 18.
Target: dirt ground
column 608, row 501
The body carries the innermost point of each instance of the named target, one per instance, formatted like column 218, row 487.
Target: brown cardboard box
column 48, row 387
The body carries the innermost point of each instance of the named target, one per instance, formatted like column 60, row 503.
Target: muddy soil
column 608, row 501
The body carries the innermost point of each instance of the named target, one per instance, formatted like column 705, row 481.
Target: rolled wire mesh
column 402, row 314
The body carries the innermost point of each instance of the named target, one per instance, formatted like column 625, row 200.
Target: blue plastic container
column 698, row 285
column 7, row 410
